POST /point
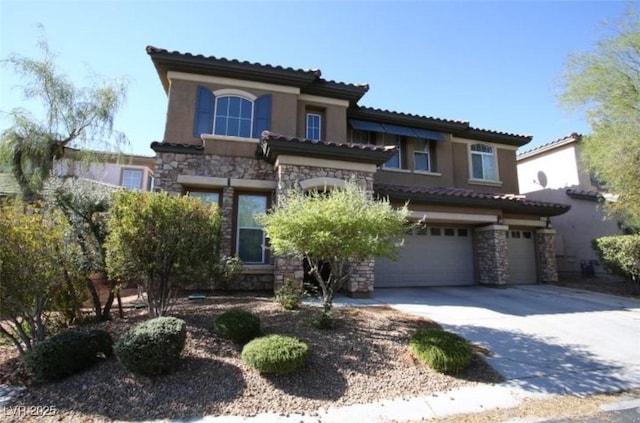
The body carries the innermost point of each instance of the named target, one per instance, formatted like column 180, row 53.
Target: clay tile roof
column 550, row 145
column 411, row 116
column 272, row 144
column 169, row 147
column 452, row 195
column 585, row 194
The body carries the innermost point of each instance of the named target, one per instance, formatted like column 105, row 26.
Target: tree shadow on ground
column 542, row 365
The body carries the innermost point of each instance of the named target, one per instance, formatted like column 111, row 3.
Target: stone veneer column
column 227, row 215
column 491, row 255
column 546, row 255
column 289, row 177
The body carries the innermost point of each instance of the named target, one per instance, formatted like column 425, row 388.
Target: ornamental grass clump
column 443, row 351
column 67, row 353
column 152, row 348
column 238, row 326
column 276, row 354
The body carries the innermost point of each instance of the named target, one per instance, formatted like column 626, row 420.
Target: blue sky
column 495, row 64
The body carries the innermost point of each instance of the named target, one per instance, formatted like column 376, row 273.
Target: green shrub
column 67, row 353
column 443, row 351
column 323, row 320
column 621, row 254
column 152, row 348
column 289, row 295
column 238, row 325
column 275, row 354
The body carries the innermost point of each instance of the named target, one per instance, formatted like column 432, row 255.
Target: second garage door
column 435, row 257
column 522, row 257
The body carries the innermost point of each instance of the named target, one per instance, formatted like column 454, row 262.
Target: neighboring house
column 243, row 133
column 130, row 171
column 127, row 170
column 554, row 172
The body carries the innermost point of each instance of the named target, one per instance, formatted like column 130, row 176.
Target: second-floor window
column 483, row 163
column 231, row 112
column 132, row 179
column 422, row 156
column 314, row 123
column 395, row 161
column 233, row 116
column 358, row 136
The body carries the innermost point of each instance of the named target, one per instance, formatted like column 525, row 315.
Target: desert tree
column 604, row 83
column 337, row 229
column 166, row 242
column 72, row 115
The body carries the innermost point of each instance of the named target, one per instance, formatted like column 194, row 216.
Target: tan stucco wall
column 181, row 109
column 334, row 120
column 557, row 168
column 507, row 172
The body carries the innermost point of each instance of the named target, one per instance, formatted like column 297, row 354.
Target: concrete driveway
column 544, row 339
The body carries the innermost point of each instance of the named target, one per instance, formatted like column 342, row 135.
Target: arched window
column 483, row 163
column 233, row 116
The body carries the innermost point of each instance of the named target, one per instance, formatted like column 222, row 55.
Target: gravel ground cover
column 363, row 359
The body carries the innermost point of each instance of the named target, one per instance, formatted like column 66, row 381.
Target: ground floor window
column 250, row 235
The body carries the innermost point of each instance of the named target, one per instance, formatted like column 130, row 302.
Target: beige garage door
column 435, row 257
column 522, row 257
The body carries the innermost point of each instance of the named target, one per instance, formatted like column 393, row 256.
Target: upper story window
column 231, row 112
column 233, row 116
column 483, row 162
column 314, row 124
column 132, row 179
column 422, row 155
column 358, row 136
column 395, row 161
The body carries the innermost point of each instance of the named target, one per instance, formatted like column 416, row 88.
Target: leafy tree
column 166, row 241
column 36, row 266
column 339, row 228
column 82, row 116
column 605, row 83
column 85, row 205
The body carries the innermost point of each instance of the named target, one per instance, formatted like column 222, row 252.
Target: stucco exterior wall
column 109, row 173
column 551, row 170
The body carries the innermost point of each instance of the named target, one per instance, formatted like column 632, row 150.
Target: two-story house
column 241, row 134
column 555, row 172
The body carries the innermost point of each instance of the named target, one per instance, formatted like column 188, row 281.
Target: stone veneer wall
column 289, row 177
column 491, row 255
column 546, row 255
column 171, row 165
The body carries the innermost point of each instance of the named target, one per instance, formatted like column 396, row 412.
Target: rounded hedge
column 67, row 353
column 443, row 351
column 276, row 354
column 238, row 325
column 153, row 347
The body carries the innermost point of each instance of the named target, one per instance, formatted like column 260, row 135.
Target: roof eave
column 166, row 147
column 405, row 120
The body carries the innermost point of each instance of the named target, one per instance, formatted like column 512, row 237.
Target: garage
column 522, row 257
column 436, row 256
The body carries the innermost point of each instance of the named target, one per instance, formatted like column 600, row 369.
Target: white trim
column 232, row 92
column 209, row 137
column 470, row 141
column 453, row 217
column 232, row 82
column 493, row 228
column 323, row 182
column 323, row 100
column 252, row 183
column 525, row 222
column 487, row 182
column 324, row 163
column 202, row 181
column 424, row 172
column 395, row 169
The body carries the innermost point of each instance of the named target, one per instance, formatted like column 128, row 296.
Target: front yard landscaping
column 363, row 359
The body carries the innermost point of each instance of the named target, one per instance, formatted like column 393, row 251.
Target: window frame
column 398, row 144
column 123, row 177
column 188, row 190
column 359, row 141
column 216, row 110
column 236, row 225
column 425, row 151
column 309, row 128
column 483, row 154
